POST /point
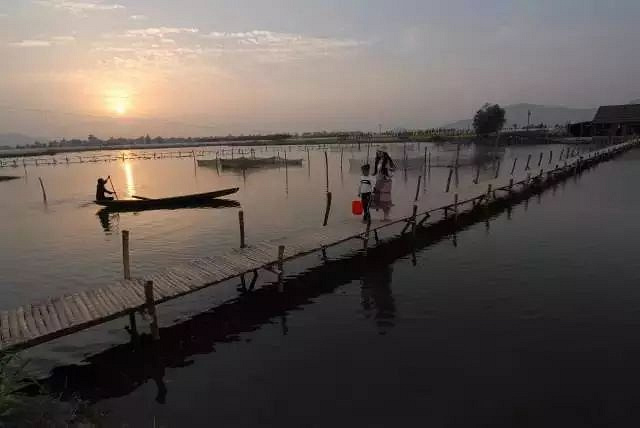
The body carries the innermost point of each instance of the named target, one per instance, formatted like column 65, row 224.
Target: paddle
column 112, row 187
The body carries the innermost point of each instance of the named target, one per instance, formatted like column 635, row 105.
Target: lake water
column 528, row 320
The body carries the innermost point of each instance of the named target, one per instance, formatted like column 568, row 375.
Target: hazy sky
column 207, row 67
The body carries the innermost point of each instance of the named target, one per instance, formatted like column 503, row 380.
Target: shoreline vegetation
column 184, row 143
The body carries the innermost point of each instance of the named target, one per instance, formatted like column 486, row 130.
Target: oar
column 112, row 186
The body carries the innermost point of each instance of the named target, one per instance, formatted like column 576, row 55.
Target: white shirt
column 366, row 185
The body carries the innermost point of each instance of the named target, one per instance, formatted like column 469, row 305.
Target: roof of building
column 618, row 114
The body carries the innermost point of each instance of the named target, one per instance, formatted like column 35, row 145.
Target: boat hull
column 199, row 199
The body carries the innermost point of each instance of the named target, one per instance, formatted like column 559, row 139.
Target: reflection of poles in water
column 376, row 297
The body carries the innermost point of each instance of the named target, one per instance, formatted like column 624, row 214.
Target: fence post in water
column 326, row 170
column 488, row 194
column 526, row 168
column 550, row 155
column 414, row 218
column 241, row 221
column 280, row 268
column 327, row 209
column 151, row 309
column 540, row 159
column 418, row 189
column 44, row 192
column 477, row 179
column 498, row 169
column 449, row 180
column 513, row 168
column 510, row 186
column 341, row 156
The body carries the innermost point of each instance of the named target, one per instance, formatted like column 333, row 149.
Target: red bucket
column 356, row 207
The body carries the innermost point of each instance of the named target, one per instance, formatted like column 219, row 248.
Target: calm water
column 529, row 320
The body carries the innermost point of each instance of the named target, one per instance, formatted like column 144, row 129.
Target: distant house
column 616, row 121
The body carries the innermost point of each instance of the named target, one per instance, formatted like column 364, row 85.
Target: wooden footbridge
column 36, row 323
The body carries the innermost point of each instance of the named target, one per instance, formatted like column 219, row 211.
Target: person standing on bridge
column 383, row 160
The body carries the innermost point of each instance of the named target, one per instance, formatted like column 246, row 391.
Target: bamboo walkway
column 40, row 322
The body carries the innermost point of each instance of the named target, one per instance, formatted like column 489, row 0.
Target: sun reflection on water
column 128, row 173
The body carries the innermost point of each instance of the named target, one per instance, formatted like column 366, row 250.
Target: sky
column 213, row 67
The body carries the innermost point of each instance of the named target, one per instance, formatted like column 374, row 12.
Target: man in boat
column 101, row 190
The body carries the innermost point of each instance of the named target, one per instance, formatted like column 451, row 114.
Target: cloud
column 276, row 45
column 43, row 43
column 31, row 44
column 80, row 7
column 138, row 17
column 161, row 32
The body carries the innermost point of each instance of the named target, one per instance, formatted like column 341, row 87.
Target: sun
column 120, row 108
column 117, row 101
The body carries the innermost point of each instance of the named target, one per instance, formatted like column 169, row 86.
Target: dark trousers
column 366, row 202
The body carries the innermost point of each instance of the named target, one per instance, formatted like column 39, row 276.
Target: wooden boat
column 140, row 203
column 248, row 163
column 8, row 177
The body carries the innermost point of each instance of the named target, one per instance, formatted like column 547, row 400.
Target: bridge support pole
column 151, row 309
column 280, row 268
column 133, row 328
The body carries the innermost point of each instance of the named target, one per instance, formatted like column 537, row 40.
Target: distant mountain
column 549, row 115
column 12, row 139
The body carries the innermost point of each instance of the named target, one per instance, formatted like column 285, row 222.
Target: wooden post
column 241, row 221
column 513, row 168
column 151, row 309
column 488, row 194
column 44, row 192
column 550, row 156
column 327, row 209
column 280, row 268
column 413, row 220
column 526, row 168
column 455, row 207
column 540, row 159
column 326, row 170
column 418, row 189
column 365, row 241
column 477, row 179
column 510, row 186
column 125, row 254
column 341, row 156
column 449, row 180
column 127, row 275
column 498, row 169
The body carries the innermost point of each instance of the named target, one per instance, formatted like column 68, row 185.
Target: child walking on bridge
column 365, row 189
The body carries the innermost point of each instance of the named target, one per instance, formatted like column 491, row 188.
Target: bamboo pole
column 151, row 309
column 326, row 170
column 127, row 276
column 327, row 209
column 280, row 268
column 44, row 192
column 241, row 222
column 449, row 180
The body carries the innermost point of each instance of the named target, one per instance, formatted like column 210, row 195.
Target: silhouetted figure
column 101, row 190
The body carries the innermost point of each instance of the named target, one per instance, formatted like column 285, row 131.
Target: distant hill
column 12, row 139
column 549, row 115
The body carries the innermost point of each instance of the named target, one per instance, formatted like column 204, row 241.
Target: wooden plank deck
column 39, row 322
